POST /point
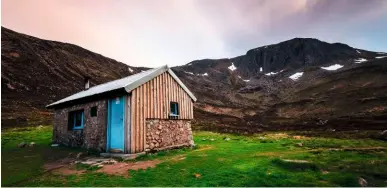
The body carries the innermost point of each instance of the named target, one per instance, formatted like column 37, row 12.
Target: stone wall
column 165, row 133
column 92, row 136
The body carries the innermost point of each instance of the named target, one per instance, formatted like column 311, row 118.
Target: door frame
column 109, row 123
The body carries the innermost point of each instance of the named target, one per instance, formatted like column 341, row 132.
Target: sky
column 152, row 33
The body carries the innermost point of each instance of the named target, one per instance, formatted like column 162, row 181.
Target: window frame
column 73, row 120
column 176, row 107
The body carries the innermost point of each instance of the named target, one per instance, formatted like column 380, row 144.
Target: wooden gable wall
column 152, row 100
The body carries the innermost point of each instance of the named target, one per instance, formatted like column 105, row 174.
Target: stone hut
column 148, row 111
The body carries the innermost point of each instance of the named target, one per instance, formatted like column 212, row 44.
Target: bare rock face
column 165, row 134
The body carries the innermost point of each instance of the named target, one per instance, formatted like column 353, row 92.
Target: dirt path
column 64, row 167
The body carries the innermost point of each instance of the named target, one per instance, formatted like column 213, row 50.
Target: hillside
column 254, row 90
column 36, row 72
column 245, row 93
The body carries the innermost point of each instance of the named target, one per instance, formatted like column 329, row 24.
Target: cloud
column 151, row 33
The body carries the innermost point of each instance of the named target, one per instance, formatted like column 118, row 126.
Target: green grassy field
column 268, row 159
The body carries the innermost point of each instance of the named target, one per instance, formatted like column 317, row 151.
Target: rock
column 22, row 145
column 54, row 145
column 204, row 139
column 227, row 139
column 383, row 135
column 32, row 144
column 363, row 182
column 295, row 161
column 80, row 154
column 299, row 144
column 109, row 161
column 100, row 166
column 212, row 139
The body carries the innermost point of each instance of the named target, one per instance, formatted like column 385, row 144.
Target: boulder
column 227, row 139
column 80, row 154
column 383, row 135
column 32, row 144
column 22, row 145
column 299, row 144
column 363, row 182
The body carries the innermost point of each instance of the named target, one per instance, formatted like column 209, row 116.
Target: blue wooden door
column 116, row 123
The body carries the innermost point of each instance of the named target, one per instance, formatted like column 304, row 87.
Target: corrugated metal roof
column 128, row 83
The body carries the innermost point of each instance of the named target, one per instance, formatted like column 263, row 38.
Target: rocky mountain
column 338, row 86
column 279, row 86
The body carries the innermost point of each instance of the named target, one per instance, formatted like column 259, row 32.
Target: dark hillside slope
column 36, row 72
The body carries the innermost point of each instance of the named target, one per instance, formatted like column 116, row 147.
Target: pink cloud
column 174, row 32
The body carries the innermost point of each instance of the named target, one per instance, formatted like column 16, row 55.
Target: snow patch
column 296, row 76
column 381, row 53
column 246, row 80
column 360, row 60
column 265, row 46
column 239, row 77
column 358, row 51
column 189, row 73
column 190, row 64
column 333, row 67
column 130, row 70
column 205, row 74
column 232, row 67
column 260, row 69
column 380, row 57
column 271, row 73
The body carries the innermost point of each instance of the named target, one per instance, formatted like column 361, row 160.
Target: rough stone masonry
column 92, row 136
column 166, row 134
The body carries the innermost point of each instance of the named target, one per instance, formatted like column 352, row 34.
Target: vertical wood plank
column 159, row 96
column 162, row 96
column 145, row 114
column 151, row 99
column 133, row 111
column 185, row 106
column 154, row 101
column 167, row 95
column 142, row 101
column 179, row 98
column 139, row 118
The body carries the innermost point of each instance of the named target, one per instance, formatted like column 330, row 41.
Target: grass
column 269, row 159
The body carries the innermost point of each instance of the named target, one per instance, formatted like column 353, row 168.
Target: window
column 174, row 109
column 93, row 111
column 76, row 120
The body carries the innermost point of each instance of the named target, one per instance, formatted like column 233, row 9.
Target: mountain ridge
column 234, row 93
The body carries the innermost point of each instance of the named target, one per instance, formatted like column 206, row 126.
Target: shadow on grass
column 295, row 165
